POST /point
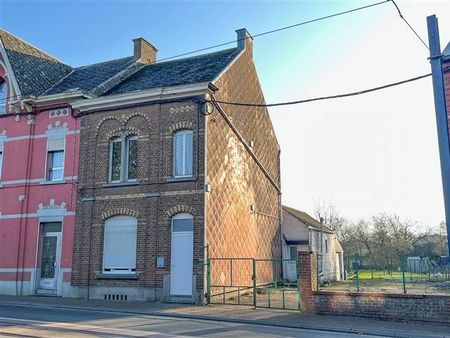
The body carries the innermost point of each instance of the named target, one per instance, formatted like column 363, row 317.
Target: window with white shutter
column 119, row 247
column 182, row 153
column 55, row 159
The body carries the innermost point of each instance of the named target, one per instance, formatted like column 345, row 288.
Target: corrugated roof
column 35, row 71
column 202, row 68
column 86, row 78
column 307, row 219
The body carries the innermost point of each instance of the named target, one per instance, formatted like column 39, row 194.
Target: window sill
column 45, row 182
column 129, row 276
column 120, row 184
column 181, row 179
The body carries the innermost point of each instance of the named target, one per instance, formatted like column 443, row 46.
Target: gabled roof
column 87, row 78
column 34, row 70
column 39, row 74
column 202, row 68
column 307, row 219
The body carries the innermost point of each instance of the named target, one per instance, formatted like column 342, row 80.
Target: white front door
column 50, row 261
column 181, row 264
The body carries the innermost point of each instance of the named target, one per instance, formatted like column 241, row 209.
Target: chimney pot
column 144, row 51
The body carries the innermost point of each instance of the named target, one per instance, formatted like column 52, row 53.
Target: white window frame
column 127, row 153
column 182, row 216
column 47, row 171
column 1, row 161
column 111, row 144
column 3, row 100
column 183, row 153
column 55, row 134
column 121, row 220
column 124, row 153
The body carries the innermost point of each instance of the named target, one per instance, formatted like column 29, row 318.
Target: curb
column 225, row 320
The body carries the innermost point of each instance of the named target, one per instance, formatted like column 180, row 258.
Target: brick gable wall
column 236, row 182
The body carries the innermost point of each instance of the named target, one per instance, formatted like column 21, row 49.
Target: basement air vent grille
column 115, row 297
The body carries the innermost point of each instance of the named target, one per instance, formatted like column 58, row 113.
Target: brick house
column 187, row 178
column 167, row 178
column 38, row 170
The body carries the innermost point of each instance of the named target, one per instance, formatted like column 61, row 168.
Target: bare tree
column 328, row 212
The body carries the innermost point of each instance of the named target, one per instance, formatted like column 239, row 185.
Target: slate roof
column 35, row 71
column 307, row 219
column 86, row 78
column 190, row 70
column 40, row 74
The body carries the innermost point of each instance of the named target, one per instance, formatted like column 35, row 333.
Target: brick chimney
column 244, row 40
column 144, row 51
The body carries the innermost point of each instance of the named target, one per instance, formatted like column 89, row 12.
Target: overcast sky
column 368, row 154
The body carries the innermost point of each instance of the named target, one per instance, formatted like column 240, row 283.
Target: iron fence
column 409, row 275
column 256, row 282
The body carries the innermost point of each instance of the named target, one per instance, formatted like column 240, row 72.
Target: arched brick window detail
column 119, row 211
column 181, row 208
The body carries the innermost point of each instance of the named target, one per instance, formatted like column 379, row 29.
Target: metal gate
column 251, row 281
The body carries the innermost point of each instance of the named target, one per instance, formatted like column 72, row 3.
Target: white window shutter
column 119, row 252
column 55, row 144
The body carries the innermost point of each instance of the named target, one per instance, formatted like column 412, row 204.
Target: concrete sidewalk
column 242, row 314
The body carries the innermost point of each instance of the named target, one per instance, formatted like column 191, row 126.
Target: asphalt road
column 19, row 321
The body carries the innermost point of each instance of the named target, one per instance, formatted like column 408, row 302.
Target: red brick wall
column 447, row 89
column 392, row 306
column 236, row 181
column 434, row 308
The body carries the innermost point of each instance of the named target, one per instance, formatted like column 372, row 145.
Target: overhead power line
column 360, row 92
column 410, row 27
column 297, row 25
column 277, row 30
column 262, row 34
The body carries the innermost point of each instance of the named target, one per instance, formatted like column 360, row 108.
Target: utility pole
column 441, row 113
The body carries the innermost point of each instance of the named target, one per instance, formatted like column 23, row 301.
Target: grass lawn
column 393, row 283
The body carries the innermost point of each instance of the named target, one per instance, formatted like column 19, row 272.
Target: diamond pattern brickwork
column 237, row 183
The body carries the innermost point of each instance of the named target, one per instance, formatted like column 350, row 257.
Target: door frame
column 191, row 233
column 58, row 274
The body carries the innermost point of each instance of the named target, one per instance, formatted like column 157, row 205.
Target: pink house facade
column 39, row 143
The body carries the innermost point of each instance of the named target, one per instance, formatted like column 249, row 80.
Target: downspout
column 205, row 204
column 23, row 220
column 92, row 218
